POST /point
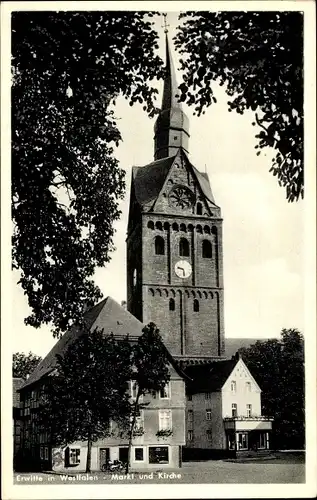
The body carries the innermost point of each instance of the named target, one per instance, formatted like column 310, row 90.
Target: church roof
column 149, row 180
column 209, row 377
column 107, row 315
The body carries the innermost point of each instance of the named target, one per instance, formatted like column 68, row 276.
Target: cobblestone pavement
column 216, row 471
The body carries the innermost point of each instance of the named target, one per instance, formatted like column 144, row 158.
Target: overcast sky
column 263, row 234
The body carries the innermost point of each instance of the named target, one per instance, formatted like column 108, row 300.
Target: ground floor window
column 139, row 454
column 242, row 440
column 72, row 456
column 123, row 454
column 158, row 455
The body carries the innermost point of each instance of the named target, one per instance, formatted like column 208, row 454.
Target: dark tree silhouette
column 67, row 70
column 258, row 57
column 24, row 364
column 278, row 367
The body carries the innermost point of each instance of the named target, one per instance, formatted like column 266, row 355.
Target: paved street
column 213, row 471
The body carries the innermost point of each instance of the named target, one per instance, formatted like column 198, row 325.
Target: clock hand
column 182, row 270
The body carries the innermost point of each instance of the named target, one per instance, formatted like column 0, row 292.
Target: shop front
column 245, row 434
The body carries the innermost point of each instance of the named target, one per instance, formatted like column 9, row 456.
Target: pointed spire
column 170, row 84
column 171, row 127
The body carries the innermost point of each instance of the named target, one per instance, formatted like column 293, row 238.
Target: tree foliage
column 278, row 367
column 67, row 70
column 88, row 390
column 24, row 364
column 150, row 371
column 258, row 56
column 90, row 387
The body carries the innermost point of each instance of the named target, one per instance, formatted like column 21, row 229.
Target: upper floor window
column 234, row 410
column 249, row 410
column 165, row 420
column 199, row 209
column 165, row 393
column 233, row 386
column 196, row 305
column 207, row 249
column 183, row 247
column 139, row 421
column 190, row 435
column 208, row 414
column 134, row 390
column 189, row 397
column 172, row 305
column 159, row 245
column 190, row 416
column 207, row 395
column 248, row 386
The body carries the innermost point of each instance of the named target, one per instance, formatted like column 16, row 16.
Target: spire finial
column 165, row 26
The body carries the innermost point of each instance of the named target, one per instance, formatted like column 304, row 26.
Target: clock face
column 183, row 269
column 181, row 197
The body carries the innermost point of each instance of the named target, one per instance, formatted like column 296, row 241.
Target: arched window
column 182, row 227
column 159, row 245
column 183, row 247
column 207, row 249
column 150, row 224
column 134, row 277
column 172, row 305
column 196, row 305
column 159, row 225
column 175, row 226
column 199, row 209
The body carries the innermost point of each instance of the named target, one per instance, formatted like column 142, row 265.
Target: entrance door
column 104, row 455
column 123, row 454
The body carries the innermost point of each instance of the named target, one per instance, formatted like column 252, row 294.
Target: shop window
column 72, row 456
column 262, row 440
column 196, row 305
column 234, row 410
column 183, row 247
column 208, row 414
column 159, row 245
column 242, row 440
column 165, row 393
column 233, row 386
column 190, row 435
column 172, row 305
column 207, row 249
column 139, row 454
column 41, row 453
column 165, row 420
column 158, row 455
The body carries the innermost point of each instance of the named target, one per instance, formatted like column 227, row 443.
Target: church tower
column 174, row 241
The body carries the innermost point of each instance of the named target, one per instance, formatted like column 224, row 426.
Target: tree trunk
column 132, row 430
column 88, row 462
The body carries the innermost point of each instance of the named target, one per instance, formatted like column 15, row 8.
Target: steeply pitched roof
column 17, row 383
column 209, row 377
column 148, row 180
column 107, row 315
